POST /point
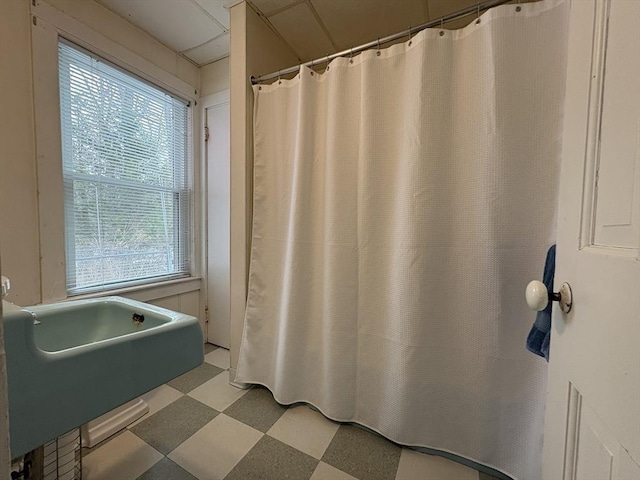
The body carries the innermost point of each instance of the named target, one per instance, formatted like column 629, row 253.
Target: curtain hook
column 351, row 56
column 442, row 26
column 410, row 41
column 279, row 81
column 312, row 67
column 378, row 53
column 327, row 61
column 478, row 18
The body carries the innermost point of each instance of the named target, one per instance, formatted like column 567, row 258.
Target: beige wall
column 214, row 77
column 19, row 213
column 17, row 205
column 19, row 240
column 255, row 49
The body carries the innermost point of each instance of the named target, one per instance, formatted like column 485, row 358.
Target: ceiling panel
column 210, row 52
column 354, row 22
column 300, row 29
column 459, row 23
column 180, row 25
column 196, row 28
column 216, row 9
column 269, row 7
column 439, row 8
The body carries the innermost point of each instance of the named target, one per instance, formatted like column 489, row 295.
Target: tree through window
column 125, row 150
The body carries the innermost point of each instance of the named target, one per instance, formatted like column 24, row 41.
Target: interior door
column 592, row 427
column 218, row 221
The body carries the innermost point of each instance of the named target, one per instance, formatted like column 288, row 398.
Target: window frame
column 182, row 230
column 50, row 25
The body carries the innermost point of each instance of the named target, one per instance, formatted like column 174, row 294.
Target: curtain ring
column 410, row 41
column 478, row 18
column 279, row 81
column 327, row 61
column 378, row 52
column 351, row 56
column 442, row 26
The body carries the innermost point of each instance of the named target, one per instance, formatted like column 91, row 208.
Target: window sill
column 149, row 291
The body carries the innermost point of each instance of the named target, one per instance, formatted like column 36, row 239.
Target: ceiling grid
column 199, row 29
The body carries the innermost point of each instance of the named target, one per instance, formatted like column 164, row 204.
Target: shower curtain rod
column 405, row 33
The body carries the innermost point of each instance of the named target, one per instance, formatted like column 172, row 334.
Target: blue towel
column 538, row 339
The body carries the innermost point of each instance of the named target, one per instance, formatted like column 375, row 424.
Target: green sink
column 70, row 362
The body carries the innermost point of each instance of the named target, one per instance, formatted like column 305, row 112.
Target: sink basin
column 83, row 358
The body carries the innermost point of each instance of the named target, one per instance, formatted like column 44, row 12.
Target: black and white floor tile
column 201, row 428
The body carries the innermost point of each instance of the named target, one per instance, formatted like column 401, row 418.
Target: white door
column 218, row 220
column 592, row 427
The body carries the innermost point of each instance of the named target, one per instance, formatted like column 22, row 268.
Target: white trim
column 48, row 24
column 46, row 94
column 149, row 292
column 594, row 126
column 213, row 100
column 209, row 101
column 623, row 252
column 93, row 41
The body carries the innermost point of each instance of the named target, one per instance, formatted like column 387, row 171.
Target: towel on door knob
column 538, row 338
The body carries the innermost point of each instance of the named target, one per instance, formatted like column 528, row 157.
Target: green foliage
column 122, row 174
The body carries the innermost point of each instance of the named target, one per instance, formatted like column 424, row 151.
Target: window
column 125, row 155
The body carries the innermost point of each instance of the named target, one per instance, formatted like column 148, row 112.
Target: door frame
column 206, row 102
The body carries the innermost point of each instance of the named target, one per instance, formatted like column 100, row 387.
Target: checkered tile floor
column 200, row 427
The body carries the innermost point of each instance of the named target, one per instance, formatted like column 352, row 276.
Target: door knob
column 538, row 297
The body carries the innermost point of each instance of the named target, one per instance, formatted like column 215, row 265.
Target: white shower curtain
column 402, row 201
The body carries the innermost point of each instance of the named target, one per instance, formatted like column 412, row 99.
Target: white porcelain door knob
column 537, row 295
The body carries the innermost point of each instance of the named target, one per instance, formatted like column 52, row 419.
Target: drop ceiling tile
column 211, row 51
column 270, row 6
column 355, row 22
column 439, row 8
column 179, row 25
column 216, row 9
column 300, row 29
column 460, row 22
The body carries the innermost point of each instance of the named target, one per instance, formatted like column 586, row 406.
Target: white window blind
column 125, row 151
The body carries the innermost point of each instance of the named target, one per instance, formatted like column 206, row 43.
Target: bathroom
column 263, row 37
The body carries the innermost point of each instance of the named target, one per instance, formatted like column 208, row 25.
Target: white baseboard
column 111, row 422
